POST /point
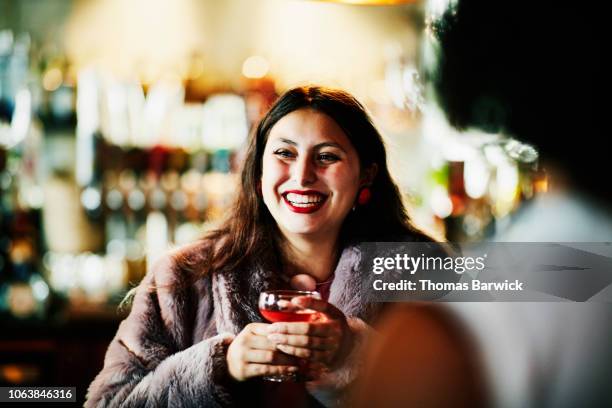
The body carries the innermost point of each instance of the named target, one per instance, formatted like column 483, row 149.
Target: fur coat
column 170, row 350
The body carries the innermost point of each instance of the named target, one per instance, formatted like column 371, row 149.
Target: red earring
column 364, row 196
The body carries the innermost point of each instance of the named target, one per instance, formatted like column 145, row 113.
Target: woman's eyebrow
column 288, row 141
column 329, row 144
column 317, row 146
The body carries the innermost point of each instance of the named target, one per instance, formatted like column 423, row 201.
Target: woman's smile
column 304, row 202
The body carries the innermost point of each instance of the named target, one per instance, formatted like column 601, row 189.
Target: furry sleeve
column 152, row 360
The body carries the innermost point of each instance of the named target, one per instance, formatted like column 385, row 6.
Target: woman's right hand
column 251, row 354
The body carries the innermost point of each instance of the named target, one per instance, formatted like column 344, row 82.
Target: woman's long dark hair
column 250, row 234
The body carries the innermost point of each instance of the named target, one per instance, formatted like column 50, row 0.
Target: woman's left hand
column 320, row 341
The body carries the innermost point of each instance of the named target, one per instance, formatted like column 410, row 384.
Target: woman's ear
column 368, row 175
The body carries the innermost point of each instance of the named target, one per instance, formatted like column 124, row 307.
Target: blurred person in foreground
column 533, row 72
column 421, row 356
column 314, row 186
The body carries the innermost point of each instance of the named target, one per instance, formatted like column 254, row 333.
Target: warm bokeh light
column 52, row 79
column 540, row 183
column 255, row 67
column 209, row 40
column 284, row 31
column 195, row 68
column 142, row 38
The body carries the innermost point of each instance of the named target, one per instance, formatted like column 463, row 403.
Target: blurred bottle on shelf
column 66, row 224
column 58, row 99
column 190, row 225
column 526, row 158
column 24, row 292
column 219, row 185
column 115, row 227
column 459, row 199
column 157, row 237
column 259, row 96
column 133, row 212
column 14, row 69
column 456, row 188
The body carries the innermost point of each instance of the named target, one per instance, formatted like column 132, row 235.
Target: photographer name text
column 428, row 285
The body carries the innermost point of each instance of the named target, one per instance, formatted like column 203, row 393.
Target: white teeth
column 303, row 205
column 304, row 199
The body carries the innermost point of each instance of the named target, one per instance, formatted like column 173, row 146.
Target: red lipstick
column 304, row 208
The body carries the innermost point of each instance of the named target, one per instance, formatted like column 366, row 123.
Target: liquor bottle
column 456, row 189
column 5, row 215
column 115, row 226
column 24, row 292
column 133, row 212
column 169, row 183
column 157, row 235
column 6, row 47
column 14, row 67
column 189, row 202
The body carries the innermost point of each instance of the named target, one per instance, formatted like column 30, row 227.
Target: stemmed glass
column 276, row 306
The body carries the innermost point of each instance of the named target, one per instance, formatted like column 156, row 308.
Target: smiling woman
column 311, row 174
column 315, row 185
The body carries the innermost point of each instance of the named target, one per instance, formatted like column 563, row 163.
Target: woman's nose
column 304, row 171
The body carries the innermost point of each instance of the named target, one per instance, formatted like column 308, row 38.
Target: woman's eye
column 285, row 154
column 328, row 158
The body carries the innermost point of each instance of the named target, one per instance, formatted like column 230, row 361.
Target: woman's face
column 310, row 174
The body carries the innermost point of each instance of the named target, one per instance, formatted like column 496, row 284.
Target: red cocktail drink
column 282, row 316
column 277, row 306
